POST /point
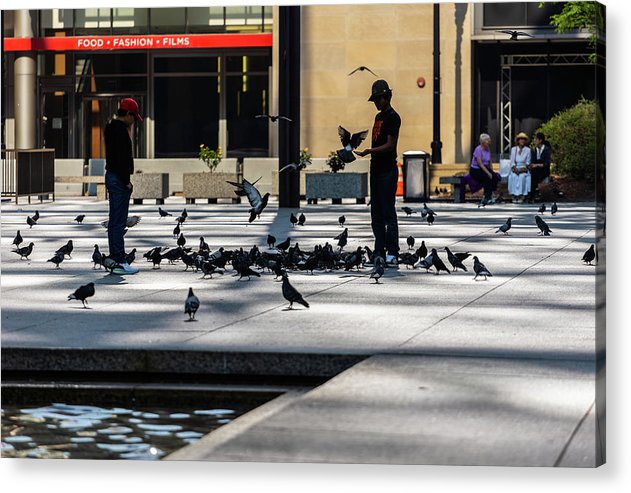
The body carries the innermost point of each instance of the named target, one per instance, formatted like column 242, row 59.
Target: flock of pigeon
column 280, row 257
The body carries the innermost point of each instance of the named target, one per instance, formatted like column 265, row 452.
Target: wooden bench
column 101, row 190
column 458, row 184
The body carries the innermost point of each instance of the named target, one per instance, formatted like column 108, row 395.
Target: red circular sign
column 420, row 82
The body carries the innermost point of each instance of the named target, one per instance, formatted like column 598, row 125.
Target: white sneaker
column 124, row 269
column 391, row 260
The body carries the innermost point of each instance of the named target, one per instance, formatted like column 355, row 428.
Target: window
column 519, row 14
column 93, row 21
column 168, row 21
column 205, row 19
column 130, row 21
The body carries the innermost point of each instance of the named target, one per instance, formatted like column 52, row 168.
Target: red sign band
column 149, row 42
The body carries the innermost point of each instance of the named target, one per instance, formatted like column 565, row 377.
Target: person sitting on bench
column 482, row 169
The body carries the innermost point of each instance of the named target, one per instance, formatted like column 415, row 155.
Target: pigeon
column 436, row 191
column 301, row 219
column 246, row 271
column 422, row 250
column 180, row 219
column 341, row 220
column 57, row 259
column 257, row 202
column 203, row 246
column 361, row 68
column 83, row 293
column 438, row 263
column 542, row 208
column 130, row 257
column 378, row 269
column 163, row 213
column 284, row 245
column 430, row 218
column 18, row 239
column 273, row 118
column 208, row 268
column 505, row 227
column 271, row 241
column 410, row 241
column 480, row 269
column 293, row 219
column 80, row 218
column 36, row 216
column 342, row 242
column 156, row 258
column 293, row 166
column 426, row 210
column 455, row 262
column 514, row 35
column 462, row 256
column 589, row 255
column 543, row 226
column 191, row 305
column 342, row 234
column 409, row 259
column 66, row 249
column 291, row 294
column 97, row 257
column 184, row 214
column 176, row 230
column 408, row 211
column 24, row 252
column 181, row 241
column 427, row 262
column 554, row 208
column 30, row 221
column 349, row 142
column 130, row 223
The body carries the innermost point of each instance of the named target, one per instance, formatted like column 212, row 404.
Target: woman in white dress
column 519, row 178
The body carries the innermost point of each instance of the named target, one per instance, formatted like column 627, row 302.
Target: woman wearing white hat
column 519, row 178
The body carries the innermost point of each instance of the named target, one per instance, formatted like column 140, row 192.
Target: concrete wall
column 68, row 167
column 396, row 42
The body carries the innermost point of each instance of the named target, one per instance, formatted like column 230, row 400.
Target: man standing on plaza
column 119, row 166
column 384, row 173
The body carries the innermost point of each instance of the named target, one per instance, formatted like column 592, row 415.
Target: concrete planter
column 337, row 186
column 211, row 186
column 150, row 186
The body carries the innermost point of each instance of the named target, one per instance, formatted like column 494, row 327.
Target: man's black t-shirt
column 119, row 158
column 387, row 123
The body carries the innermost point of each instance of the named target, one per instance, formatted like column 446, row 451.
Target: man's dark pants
column 119, row 196
column 383, row 189
column 537, row 175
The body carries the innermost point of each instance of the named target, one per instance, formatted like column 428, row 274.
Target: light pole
column 436, row 143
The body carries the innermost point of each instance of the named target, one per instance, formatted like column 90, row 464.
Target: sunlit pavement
column 454, row 371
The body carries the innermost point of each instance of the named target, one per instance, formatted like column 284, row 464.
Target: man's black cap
column 379, row 88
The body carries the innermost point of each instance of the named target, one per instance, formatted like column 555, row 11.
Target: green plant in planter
column 334, row 162
column 210, row 157
column 305, row 157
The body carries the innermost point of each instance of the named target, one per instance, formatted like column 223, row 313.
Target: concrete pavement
column 434, row 369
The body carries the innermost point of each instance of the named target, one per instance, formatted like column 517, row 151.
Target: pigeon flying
column 361, row 68
column 291, row 294
column 514, row 35
column 80, row 218
column 273, row 118
column 191, row 305
column 83, row 293
column 349, row 142
column 257, row 202
column 480, row 269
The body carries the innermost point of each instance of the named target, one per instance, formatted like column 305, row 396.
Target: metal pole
column 289, row 105
column 436, row 143
column 25, row 86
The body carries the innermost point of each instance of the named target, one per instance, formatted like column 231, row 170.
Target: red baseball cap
column 131, row 105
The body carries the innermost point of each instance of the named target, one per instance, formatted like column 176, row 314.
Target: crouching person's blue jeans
column 119, row 196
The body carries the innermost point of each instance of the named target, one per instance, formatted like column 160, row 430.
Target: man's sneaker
column 391, row 260
column 124, row 269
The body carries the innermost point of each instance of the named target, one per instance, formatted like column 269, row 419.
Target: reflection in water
column 62, row 431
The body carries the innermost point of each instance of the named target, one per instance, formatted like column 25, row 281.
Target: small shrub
column 210, row 157
column 577, row 137
column 334, row 162
column 305, row 157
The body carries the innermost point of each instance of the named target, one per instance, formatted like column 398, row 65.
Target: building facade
column 202, row 74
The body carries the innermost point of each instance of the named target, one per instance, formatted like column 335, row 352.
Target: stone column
column 25, row 69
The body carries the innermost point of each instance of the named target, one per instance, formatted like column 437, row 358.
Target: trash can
column 415, row 176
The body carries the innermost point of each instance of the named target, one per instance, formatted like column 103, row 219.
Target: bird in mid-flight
column 514, row 35
column 257, row 202
column 273, row 118
column 350, row 142
column 361, row 68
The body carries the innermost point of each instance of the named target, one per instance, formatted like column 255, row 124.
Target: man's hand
column 362, row 153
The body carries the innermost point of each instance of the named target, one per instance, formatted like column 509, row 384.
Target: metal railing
column 27, row 172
